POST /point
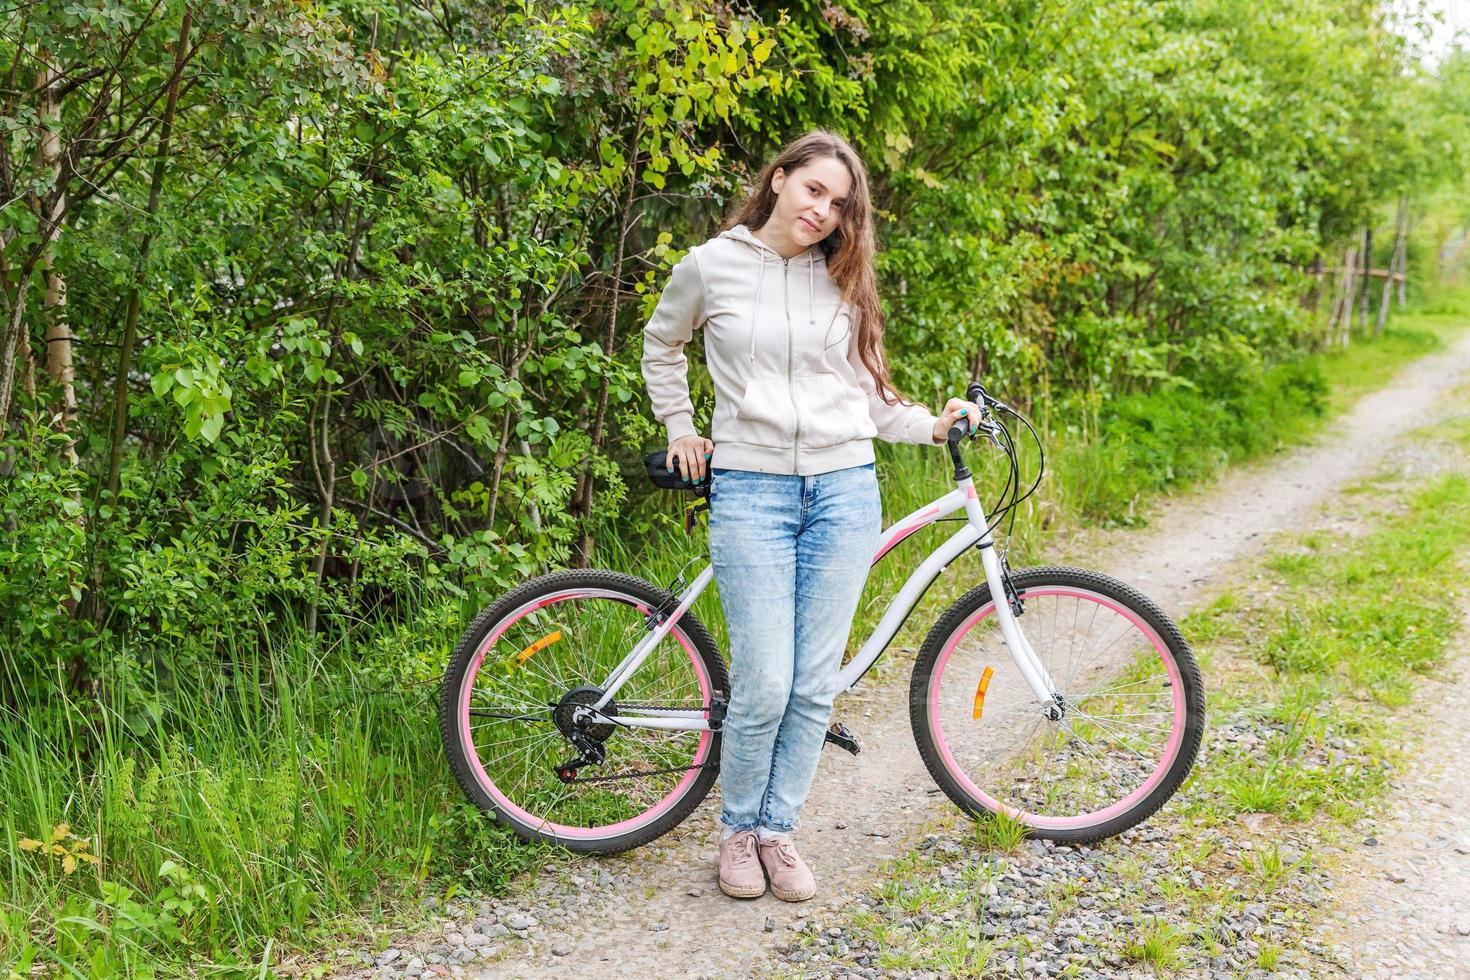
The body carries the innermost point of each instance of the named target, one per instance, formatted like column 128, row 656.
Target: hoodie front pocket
column 829, row 412
column 765, row 414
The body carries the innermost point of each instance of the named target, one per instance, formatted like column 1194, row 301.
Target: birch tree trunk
column 53, row 302
column 14, row 328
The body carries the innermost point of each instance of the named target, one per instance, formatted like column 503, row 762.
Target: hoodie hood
column 808, row 258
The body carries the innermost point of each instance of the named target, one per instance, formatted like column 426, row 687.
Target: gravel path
column 661, row 905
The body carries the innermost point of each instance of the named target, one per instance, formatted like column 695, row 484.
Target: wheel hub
column 1057, row 710
column 575, row 723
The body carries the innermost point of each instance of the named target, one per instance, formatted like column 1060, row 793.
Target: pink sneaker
column 740, row 868
column 791, row 879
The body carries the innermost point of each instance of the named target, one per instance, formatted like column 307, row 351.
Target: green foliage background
column 380, row 272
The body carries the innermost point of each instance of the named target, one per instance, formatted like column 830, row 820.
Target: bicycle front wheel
column 1106, row 753
column 511, row 700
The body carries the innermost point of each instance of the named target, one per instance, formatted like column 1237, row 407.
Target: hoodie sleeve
column 896, row 423
column 665, row 368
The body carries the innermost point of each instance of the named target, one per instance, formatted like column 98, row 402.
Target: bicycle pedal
column 842, row 737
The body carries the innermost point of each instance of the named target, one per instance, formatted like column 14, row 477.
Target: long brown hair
column 849, row 249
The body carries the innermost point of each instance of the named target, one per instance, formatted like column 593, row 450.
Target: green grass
column 282, row 803
column 1268, row 869
column 998, row 832
column 1268, row 956
column 1158, row 944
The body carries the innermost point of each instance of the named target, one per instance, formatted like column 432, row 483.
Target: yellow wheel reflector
column 545, row 641
column 980, row 691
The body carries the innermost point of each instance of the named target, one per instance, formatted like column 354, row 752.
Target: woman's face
column 809, row 200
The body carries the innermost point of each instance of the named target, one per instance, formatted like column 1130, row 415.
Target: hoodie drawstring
column 811, row 291
column 811, row 296
column 755, row 310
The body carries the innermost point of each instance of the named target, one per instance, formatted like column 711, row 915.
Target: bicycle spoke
column 1111, row 691
column 1102, row 767
column 1108, row 729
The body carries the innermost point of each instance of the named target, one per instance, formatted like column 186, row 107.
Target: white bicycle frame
column 975, row 532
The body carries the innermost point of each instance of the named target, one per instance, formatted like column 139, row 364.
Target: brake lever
column 987, row 423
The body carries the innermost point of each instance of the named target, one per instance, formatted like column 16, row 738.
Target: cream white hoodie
column 791, row 394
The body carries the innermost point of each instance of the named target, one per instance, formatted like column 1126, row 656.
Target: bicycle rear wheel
column 519, row 674
column 1104, row 756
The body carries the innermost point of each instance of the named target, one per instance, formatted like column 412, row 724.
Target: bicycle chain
column 635, row 775
column 662, row 707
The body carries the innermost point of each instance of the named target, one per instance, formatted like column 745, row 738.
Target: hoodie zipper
column 790, row 385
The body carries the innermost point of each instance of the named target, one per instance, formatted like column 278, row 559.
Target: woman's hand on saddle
column 955, row 410
column 693, row 454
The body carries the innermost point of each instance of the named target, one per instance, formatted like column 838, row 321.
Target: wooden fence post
column 1393, row 265
column 1404, row 255
column 1349, row 293
column 1366, row 265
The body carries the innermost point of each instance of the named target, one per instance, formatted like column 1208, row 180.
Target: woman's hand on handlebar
column 956, row 410
column 693, row 454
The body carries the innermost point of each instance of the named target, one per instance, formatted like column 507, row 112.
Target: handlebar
column 976, row 393
column 986, row 424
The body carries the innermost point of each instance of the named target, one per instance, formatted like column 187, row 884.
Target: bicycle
column 567, row 716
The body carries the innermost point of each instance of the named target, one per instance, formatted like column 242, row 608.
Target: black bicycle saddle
column 667, row 479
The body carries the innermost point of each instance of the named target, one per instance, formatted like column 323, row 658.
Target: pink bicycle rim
column 503, row 802
column 1171, row 750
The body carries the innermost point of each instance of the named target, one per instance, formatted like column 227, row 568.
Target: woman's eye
column 813, row 190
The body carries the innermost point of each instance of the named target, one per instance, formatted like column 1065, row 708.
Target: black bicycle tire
column 978, row 598
column 464, row 652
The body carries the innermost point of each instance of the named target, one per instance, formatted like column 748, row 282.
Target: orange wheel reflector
column 545, row 641
column 980, row 691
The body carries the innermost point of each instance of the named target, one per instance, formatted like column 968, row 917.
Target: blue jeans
column 790, row 555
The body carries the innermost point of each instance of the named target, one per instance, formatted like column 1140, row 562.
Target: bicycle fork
column 1027, row 662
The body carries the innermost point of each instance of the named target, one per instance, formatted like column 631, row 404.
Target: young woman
column 794, row 342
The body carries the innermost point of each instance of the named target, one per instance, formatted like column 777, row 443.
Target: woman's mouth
column 809, row 224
